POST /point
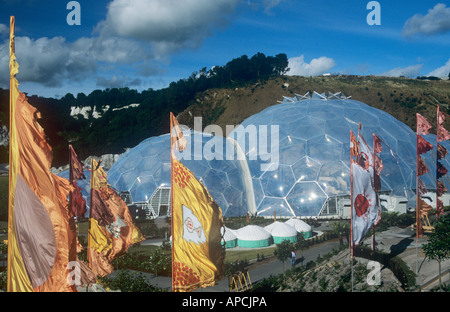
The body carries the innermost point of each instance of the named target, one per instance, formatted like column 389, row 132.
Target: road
column 258, row 271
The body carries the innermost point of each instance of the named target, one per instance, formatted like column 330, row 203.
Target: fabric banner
column 39, row 232
column 197, row 250
column 442, row 135
column 423, row 126
column 365, row 209
column 111, row 228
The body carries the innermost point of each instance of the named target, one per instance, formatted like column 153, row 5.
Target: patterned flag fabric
column 111, row 229
column 423, row 146
column 39, row 233
column 442, row 135
column 77, row 204
column 365, row 209
column 423, row 126
column 197, row 250
column 377, row 162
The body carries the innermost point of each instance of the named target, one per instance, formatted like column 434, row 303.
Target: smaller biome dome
column 253, row 236
column 229, row 237
column 281, row 231
column 300, row 226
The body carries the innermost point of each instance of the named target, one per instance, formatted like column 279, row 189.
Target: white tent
column 300, row 226
column 229, row 237
column 281, row 231
column 253, row 236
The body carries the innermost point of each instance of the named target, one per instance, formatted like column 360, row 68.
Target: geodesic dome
column 311, row 171
column 143, row 172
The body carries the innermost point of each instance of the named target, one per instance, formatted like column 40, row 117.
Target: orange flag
column 197, row 251
column 111, row 228
column 39, row 234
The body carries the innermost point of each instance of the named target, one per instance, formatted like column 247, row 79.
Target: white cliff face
column 86, row 111
column 75, row 111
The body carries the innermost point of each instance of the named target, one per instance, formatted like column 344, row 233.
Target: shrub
column 127, row 281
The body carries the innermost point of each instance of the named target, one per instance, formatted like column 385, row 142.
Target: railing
column 240, row 282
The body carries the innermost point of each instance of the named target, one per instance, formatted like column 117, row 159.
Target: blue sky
column 144, row 44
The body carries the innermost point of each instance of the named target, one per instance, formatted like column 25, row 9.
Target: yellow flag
column 111, row 228
column 197, row 250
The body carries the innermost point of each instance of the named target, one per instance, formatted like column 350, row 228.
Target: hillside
column 111, row 120
column 400, row 97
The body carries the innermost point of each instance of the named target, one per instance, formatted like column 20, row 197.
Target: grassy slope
column 400, row 97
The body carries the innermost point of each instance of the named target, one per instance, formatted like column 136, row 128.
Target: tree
column 158, row 261
column 340, row 229
column 283, row 251
column 438, row 245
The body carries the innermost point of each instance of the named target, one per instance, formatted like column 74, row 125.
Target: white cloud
column 140, row 33
column 168, row 25
column 442, row 71
column 436, row 21
column 317, row 66
column 409, row 71
column 4, row 30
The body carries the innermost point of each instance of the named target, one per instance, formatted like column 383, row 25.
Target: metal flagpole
column 351, row 209
column 417, row 191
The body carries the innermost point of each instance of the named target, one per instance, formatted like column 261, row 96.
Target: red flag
column 377, row 162
column 440, row 188
column 440, row 170
column 423, row 145
column 423, row 126
column 439, row 208
column 76, row 167
column 441, row 151
column 377, row 148
column 421, row 167
column 442, row 134
column 354, row 145
column 422, row 190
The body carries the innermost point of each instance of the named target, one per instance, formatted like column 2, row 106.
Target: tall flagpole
column 351, row 209
column 171, row 197
column 417, row 192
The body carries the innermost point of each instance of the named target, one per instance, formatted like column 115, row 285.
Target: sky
column 144, row 44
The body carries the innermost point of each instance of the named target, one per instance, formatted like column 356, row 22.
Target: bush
column 3, row 280
column 127, row 281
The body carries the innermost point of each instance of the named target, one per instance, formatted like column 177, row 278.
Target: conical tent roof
column 252, row 233
column 229, row 234
column 253, row 236
column 299, row 225
column 281, row 229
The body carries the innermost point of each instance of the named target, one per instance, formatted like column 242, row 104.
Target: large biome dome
column 312, row 171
